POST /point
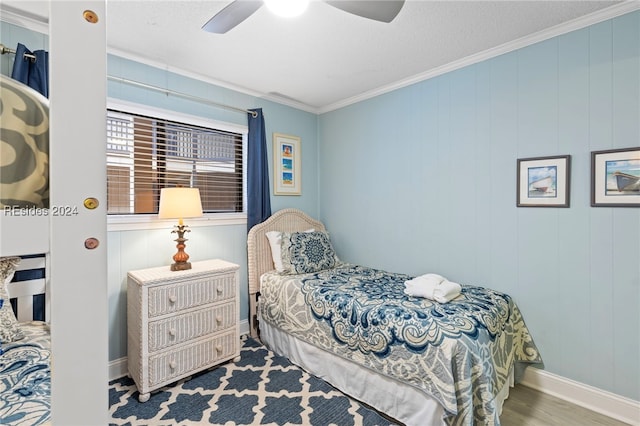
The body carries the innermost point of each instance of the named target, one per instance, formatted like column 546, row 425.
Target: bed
column 416, row 360
column 25, row 344
column 25, row 373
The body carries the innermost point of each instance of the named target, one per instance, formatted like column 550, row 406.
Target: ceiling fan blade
column 379, row 10
column 234, row 13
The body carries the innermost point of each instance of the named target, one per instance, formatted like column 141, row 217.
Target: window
column 145, row 154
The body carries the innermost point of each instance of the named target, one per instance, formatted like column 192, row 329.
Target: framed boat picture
column 615, row 178
column 286, row 165
column 543, row 181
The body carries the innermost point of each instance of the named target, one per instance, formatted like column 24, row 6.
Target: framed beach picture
column 543, row 181
column 615, row 178
column 286, row 165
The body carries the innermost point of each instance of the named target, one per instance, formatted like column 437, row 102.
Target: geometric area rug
column 261, row 389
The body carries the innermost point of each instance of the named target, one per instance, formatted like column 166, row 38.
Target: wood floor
column 529, row 407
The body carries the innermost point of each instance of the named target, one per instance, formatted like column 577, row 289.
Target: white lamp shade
column 178, row 203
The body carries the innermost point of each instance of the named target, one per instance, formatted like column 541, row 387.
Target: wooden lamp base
column 181, row 258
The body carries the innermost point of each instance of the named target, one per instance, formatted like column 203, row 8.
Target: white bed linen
column 402, row 402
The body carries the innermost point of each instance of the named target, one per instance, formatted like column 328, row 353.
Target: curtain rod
column 4, row 50
column 182, row 95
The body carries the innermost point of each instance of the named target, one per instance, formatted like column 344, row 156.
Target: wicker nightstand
column 181, row 322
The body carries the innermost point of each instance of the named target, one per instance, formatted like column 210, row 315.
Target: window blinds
column 145, row 154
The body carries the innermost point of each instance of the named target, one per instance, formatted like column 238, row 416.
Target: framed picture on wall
column 615, row 178
column 543, row 181
column 286, row 165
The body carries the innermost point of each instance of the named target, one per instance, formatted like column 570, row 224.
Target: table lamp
column 179, row 203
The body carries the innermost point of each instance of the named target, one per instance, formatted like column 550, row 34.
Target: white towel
column 432, row 286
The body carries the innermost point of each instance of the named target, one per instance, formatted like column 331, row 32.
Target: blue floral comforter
column 460, row 352
column 25, row 377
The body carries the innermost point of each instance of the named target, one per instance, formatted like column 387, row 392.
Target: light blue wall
column 137, row 249
column 11, row 35
column 423, row 179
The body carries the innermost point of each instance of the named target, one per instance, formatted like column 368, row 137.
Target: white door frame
column 79, row 332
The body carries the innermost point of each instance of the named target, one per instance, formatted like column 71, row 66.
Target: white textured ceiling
column 327, row 57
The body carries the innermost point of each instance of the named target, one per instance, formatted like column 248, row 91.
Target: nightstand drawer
column 192, row 325
column 183, row 295
column 190, row 358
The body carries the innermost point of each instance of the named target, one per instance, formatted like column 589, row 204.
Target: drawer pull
column 219, row 319
column 219, row 348
column 220, row 289
column 172, row 332
column 173, row 365
column 173, row 298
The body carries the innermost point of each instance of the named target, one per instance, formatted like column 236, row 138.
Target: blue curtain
column 33, row 73
column 258, row 197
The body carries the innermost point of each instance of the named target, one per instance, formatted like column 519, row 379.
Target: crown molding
column 40, row 24
column 179, row 71
column 30, row 21
column 557, row 30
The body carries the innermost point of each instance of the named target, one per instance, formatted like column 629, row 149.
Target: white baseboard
column 606, row 403
column 118, row 368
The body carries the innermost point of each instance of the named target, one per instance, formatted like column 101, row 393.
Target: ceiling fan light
column 287, row 8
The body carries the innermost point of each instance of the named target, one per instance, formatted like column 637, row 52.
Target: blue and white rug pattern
column 261, row 389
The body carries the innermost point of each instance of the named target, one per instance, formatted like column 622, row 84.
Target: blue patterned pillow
column 9, row 329
column 24, row 124
column 306, row 252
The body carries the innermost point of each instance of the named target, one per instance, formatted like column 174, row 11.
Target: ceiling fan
column 239, row 10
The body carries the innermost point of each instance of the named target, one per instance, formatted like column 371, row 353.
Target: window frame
column 126, row 222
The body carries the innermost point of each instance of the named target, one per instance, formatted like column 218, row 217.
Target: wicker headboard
column 259, row 258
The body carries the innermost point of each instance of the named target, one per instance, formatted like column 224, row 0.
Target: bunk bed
column 25, row 371
column 414, row 359
column 25, row 368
